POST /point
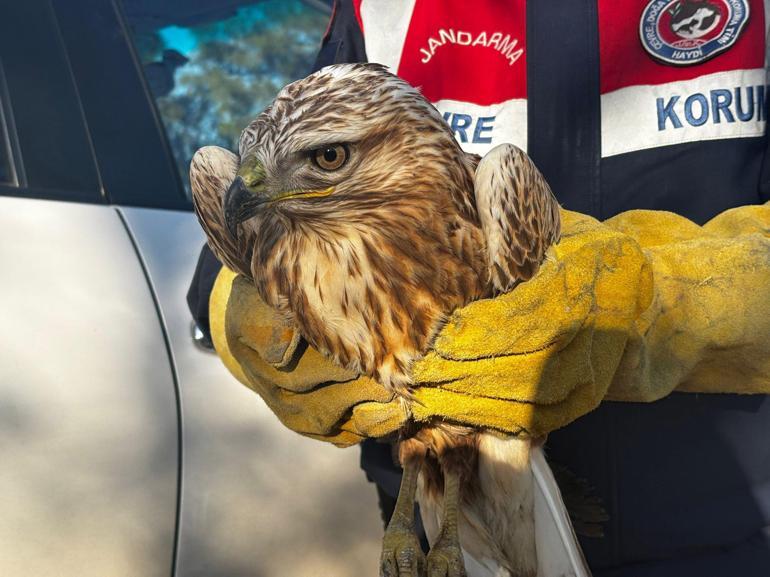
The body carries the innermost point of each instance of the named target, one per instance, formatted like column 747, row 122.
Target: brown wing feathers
column 212, row 170
column 518, row 213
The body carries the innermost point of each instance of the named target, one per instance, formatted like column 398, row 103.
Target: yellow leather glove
column 630, row 309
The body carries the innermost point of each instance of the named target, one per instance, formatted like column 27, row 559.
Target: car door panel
column 88, row 415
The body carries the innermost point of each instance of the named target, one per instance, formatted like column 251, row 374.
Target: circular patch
column 684, row 32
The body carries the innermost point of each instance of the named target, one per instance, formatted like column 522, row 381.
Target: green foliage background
column 235, row 69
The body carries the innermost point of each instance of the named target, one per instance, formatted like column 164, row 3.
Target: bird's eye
column 331, row 157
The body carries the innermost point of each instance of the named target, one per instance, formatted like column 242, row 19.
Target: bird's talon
column 402, row 555
column 446, row 560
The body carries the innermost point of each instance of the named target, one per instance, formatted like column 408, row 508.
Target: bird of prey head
column 346, row 145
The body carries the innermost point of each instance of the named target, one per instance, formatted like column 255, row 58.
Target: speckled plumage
column 413, row 228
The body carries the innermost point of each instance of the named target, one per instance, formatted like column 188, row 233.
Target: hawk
column 356, row 214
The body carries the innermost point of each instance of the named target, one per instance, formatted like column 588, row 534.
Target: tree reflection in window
column 211, row 77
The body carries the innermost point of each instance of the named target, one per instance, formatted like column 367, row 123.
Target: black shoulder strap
column 343, row 41
column 563, row 99
column 764, row 177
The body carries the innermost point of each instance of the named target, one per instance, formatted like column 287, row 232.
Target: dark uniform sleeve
column 198, row 294
column 342, row 42
column 764, row 178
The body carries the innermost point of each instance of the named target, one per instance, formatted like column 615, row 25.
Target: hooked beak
column 245, row 195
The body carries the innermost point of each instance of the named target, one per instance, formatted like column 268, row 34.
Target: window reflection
column 6, row 170
column 211, row 76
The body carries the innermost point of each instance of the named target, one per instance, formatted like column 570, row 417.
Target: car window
column 54, row 151
column 136, row 166
column 213, row 66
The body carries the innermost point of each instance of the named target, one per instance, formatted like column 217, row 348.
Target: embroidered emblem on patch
column 685, row 32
